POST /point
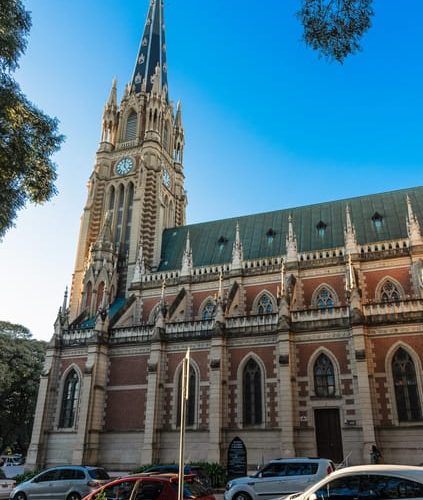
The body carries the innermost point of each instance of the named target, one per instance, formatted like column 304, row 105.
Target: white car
column 6, row 485
column 279, row 477
column 367, row 482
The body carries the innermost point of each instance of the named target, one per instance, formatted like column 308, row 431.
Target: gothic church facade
column 305, row 325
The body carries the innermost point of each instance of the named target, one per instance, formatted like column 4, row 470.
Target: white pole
column 184, row 399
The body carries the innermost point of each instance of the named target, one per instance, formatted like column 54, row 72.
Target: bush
column 216, row 472
column 29, row 474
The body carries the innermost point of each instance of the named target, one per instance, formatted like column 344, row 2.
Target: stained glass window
column 209, row 310
column 324, row 377
column 325, row 299
column 389, row 292
column 190, row 408
column 265, row 305
column 252, row 394
column 69, row 400
column 406, row 388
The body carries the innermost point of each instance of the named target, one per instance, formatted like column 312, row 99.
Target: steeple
column 152, row 51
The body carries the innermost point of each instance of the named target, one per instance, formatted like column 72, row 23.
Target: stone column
column 284, row 362
column 361, row 371
column 150, row 449
column 91, row 402
column 43, row 412
column 217, row 375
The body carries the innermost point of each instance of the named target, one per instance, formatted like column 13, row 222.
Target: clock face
column 166, row 178
column 124, row 166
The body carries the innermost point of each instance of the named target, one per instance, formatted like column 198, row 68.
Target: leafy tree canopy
column 21, row 363
column 335, row 27
column 28, row 137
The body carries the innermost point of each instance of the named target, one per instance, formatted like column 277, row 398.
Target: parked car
column 367, row 482
column 155, row 487
column 196, row 470
column 6, row 485
column 61, row 483
column 279, row 477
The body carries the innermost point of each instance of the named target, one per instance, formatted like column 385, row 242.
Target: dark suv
column 61, row 483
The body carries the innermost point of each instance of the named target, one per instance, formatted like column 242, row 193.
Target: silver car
column 279, row 477
column 367, row 482
column 61, row 483
column 6, row 485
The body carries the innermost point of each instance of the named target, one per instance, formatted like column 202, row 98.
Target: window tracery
column 209, row 310
column 324, row 377
column 265, row 305
column 325, row 298
column 389, row 292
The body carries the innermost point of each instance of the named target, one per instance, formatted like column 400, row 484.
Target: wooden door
column 328, row 434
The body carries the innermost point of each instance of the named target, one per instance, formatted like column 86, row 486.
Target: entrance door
column 328, row 434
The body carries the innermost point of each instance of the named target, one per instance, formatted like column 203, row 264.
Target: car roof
column 379, row 468
column 299, row 459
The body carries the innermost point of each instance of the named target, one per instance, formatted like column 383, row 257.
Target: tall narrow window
column 69, row 400
column 191, row 403
column 264, row 305
column 131, row 127
column 119, row 218
column 130, row 198
column 112, row 198
column 406, row 388
column 88, row 295
column 209, row 310
column 325, row 299
column 100, row 292
column 252, row 394
column 166, row 136
column 324, row 377
column 389, row 292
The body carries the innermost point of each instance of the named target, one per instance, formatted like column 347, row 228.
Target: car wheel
column 19, row 496
column 74, row 496
column 242, row 496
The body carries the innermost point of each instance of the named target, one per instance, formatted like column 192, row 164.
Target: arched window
column 191, row 403
column 130, row 198
column 209, row 310
column 131, row 127
column 265, row 305
column 324, row 377
column 325, row 299
column 69, row 400
column 406, row 388
column 119, row 218
column 252, row 394
column 389, row 292
column 100, row 292
column 112, row 198
column 88, row 295
column 166, row 136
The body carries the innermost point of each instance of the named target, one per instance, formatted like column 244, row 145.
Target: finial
column 237, row 251
column 281, row 288
column 162, row 293
column 65, row 301
column 291, row 242
column 413, row 226
column 220, row 294
column 350, row 239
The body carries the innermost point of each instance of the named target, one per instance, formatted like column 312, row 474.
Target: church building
column 305, row 325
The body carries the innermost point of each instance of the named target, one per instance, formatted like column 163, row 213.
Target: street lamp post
column 184, row 398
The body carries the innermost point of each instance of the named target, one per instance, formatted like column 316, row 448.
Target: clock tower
column 136, row 189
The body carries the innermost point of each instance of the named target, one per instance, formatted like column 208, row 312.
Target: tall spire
column 186, row 269
column 291, row 242
column 413, row 226
column 152, row 51
column 237, row 253
column 350, row 238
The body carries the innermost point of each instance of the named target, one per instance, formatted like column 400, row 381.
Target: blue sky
column 268, row 123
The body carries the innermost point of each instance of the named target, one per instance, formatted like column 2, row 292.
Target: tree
column 335, row 27
column 21, row 363
column 28, row 137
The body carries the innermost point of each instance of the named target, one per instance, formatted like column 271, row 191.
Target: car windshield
column 98, row 474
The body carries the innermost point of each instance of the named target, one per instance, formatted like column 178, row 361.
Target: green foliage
column 216, row 472
column 335, row 27
column 140, row 469
column 29, row 474
column 28, row 137
column 21, row 363
column 101, row 496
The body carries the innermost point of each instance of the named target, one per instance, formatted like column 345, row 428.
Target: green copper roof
column 376, row 217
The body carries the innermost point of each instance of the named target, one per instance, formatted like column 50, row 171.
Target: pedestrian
column 375, row 455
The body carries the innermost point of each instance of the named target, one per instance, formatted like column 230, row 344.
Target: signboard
column 237, row 458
